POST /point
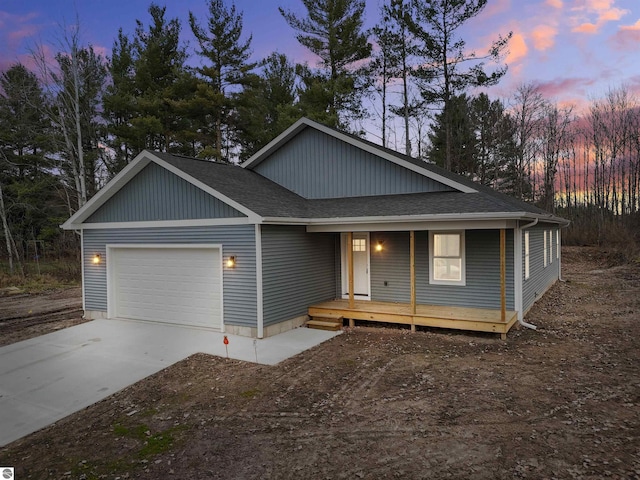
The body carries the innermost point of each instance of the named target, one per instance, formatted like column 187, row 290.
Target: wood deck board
column 459, row 318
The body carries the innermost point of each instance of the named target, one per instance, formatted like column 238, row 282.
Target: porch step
column 325, row 323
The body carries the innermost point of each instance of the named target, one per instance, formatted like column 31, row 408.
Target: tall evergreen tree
column 265, row 106
column 24, row 130
column 29, row 206
column 446, row 67
column 333, row 31
column 495, row 140
column 454, row 121
column 228, row 57
column 119, row 104
column 160, row 78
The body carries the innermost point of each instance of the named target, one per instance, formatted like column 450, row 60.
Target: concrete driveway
column 47, row 378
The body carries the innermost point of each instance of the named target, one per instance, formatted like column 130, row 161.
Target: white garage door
column 177, row 285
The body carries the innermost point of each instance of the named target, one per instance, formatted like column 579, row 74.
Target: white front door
column 360, row 250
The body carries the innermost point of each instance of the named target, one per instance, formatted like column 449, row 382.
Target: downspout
column 560, row 257
column 521, row 321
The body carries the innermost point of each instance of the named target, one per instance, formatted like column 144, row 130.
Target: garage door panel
column 178, row 285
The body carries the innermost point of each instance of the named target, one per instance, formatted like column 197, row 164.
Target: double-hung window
column 446, row 258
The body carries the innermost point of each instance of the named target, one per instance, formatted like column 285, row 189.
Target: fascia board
column 198, row 222
column 414, row 218
column 276, row 143
column 75, row 222
column 119, row 181
column 211, row 191
column 304, row 122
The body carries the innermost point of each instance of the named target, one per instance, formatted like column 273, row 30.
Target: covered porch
column 481, row 318
column 458, row 318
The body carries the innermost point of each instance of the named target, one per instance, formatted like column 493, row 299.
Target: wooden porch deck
column 459, row 318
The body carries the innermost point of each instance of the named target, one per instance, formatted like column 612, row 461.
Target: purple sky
column 575, row 49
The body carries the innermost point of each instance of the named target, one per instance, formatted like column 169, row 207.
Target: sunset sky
column 575, row 49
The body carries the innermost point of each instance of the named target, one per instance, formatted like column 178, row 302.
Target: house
column 318, row 223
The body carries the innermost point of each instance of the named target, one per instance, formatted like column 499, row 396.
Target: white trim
column 518, row 258
column 109, row 247
column 259, row 285
column 294, row 129
column 544, row 249
column 344, row 268
column 196, row 222
column 108, row 191
column 131, row 170
column 416, row 226
column 202, row 186
column 463, row 270
column 84, row 304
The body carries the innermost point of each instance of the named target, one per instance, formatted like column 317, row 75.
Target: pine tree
column 266, row 104
column 495, row 140
column 446, row 67
column 455, row 121
column 332, row 30
column 119, row 105
column 228, row 57
column 160, row 78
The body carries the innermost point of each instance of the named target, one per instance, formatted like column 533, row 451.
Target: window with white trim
column 359, row 245
column 550, row 247
column 526, row 255
column 446, row 258
column 558, row 243
column 544, row 253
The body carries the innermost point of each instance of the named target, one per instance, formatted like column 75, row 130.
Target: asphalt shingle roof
column 268, row 199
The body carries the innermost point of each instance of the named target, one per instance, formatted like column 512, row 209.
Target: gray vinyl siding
column 316, row 165
column 239, row 284
column 157, row 194
column 540, row 277
column 482, row 259
column 298, row 270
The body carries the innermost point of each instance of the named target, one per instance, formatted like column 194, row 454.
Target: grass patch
column 251, row 393
column 152, row 444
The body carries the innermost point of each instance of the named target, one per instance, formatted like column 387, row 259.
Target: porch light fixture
column 96, row 259
column 380, row 246
column 231, row 262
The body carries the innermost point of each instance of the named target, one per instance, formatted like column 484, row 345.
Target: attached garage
column 179, row 284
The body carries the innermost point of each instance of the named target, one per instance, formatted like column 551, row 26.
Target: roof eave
column 447, row 217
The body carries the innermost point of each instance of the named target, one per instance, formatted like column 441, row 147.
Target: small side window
column 526, row 255
column 544, row 252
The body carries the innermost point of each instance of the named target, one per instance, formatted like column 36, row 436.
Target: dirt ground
column 373, row 403
column 24, row 315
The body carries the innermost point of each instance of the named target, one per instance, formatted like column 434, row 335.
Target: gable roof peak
column 423, row 168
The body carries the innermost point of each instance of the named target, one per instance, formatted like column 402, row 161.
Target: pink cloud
column 555, row 3
column 565, row 87
column 604, row 11
column 517, row 48
column 634, row 27
column 543, row 37
column 590, row 28
column 627, row 37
